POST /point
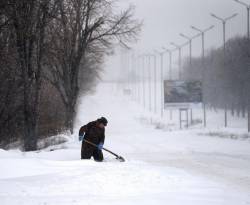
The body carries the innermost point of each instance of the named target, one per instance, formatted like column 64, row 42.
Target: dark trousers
column 87, row 152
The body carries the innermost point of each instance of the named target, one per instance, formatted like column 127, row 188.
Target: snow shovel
column 120, row 158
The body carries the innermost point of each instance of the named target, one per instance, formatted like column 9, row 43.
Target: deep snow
column 163, row 166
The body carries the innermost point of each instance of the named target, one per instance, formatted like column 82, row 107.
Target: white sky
column 165, row 19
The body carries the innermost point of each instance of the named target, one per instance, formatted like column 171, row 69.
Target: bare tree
column 29, row 18
column 83, row 27
column 10, row 83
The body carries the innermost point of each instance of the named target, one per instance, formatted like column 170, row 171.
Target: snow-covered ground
column 163, row 166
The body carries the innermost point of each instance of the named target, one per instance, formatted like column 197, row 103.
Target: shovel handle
column 91, row 143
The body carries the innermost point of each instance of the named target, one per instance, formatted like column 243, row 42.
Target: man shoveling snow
column 93, row 137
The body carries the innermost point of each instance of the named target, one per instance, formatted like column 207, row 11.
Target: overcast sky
column 165, row 19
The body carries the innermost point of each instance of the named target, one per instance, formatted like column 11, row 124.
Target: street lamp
column 155, row 89
column 136, row 78
column 224, row 21
column 137, row 62
column 202, row 32
column 162, row 82
column 148, row 56
column 248, row 11
column 170, row 61
column 248, row 36
column 190, row 39
column 143, row 80
column 178, row 47
column 133, row 75
column 170, row 69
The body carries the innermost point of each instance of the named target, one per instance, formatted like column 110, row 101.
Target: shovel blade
column 120, row 158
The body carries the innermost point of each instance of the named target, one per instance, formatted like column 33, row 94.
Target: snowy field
column 164, row 165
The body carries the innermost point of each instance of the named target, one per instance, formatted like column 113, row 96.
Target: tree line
column 50, row 52
column 225, row 83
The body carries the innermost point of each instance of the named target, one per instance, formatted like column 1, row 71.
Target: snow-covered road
column 162, row 167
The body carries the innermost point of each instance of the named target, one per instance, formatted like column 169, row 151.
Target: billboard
column 182, row 93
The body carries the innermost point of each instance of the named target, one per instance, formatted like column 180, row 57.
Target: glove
column 100, row 146
column 81, row 137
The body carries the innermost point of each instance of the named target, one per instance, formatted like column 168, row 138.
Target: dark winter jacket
column 93, row 133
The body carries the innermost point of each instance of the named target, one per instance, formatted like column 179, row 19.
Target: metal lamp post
column 170, row 61
column 133, row 76
column 155, row 75
column 224, row 21
column 178, row 47
column 202, row 32
column 248, row 11
column 248, row 36
column 138, row 78
column 170, row 71
column 148, row 56
column 162, row 82
column 190, row 39
column 155, row 81
column 143, row 80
